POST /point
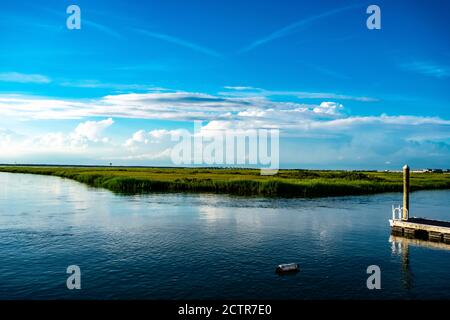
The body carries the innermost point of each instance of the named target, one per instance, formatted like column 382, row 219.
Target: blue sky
column 343, row 96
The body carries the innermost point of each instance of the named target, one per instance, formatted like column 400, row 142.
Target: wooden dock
column 419, row 228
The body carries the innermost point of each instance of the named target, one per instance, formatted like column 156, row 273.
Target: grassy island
column 248, row 182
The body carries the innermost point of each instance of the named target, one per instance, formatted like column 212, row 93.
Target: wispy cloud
column 101, row 28
column 27, row 22
column 87, row 84
column 294, row 27
column 250, row 111
column 95, row 84
column 180, row 42
column 23, row 77
column 242, row 91
column 427, row 68
column 239, row 88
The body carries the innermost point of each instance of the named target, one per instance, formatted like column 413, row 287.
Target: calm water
column 173, row 246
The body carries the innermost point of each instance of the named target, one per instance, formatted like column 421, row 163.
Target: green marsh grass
column 246, row 182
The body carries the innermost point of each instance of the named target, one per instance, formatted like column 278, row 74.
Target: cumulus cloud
column 138, row 137
column 142, row 137
column 293, row 118
column 318, row 133
column 92, row 130
column 159, row 134
column 85, row 138
column 331, row 108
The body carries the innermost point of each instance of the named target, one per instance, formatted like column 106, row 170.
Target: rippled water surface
column 172, row 246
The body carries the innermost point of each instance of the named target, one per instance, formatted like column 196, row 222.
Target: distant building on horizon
column 428, row 170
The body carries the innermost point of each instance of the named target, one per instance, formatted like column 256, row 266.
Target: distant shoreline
column 245, row 182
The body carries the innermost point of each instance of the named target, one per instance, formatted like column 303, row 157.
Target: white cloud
column 379, row 121
column 331, row 108
column 142, row 137
column 159, row 133
column 138, row 137
column 292, row 118
column 253, row 113
column 7, row 137
column 92, row 130
column 240, row 88
column 23, row 78
column 86, row 138
column 321, row 133
column 175, row 105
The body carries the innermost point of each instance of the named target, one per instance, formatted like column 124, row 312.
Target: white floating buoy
column 287, row 267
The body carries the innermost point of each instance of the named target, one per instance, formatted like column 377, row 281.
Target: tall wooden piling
column 405, row 192
column 420, row 228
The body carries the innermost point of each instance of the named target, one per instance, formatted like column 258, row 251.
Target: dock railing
column 397, row 213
